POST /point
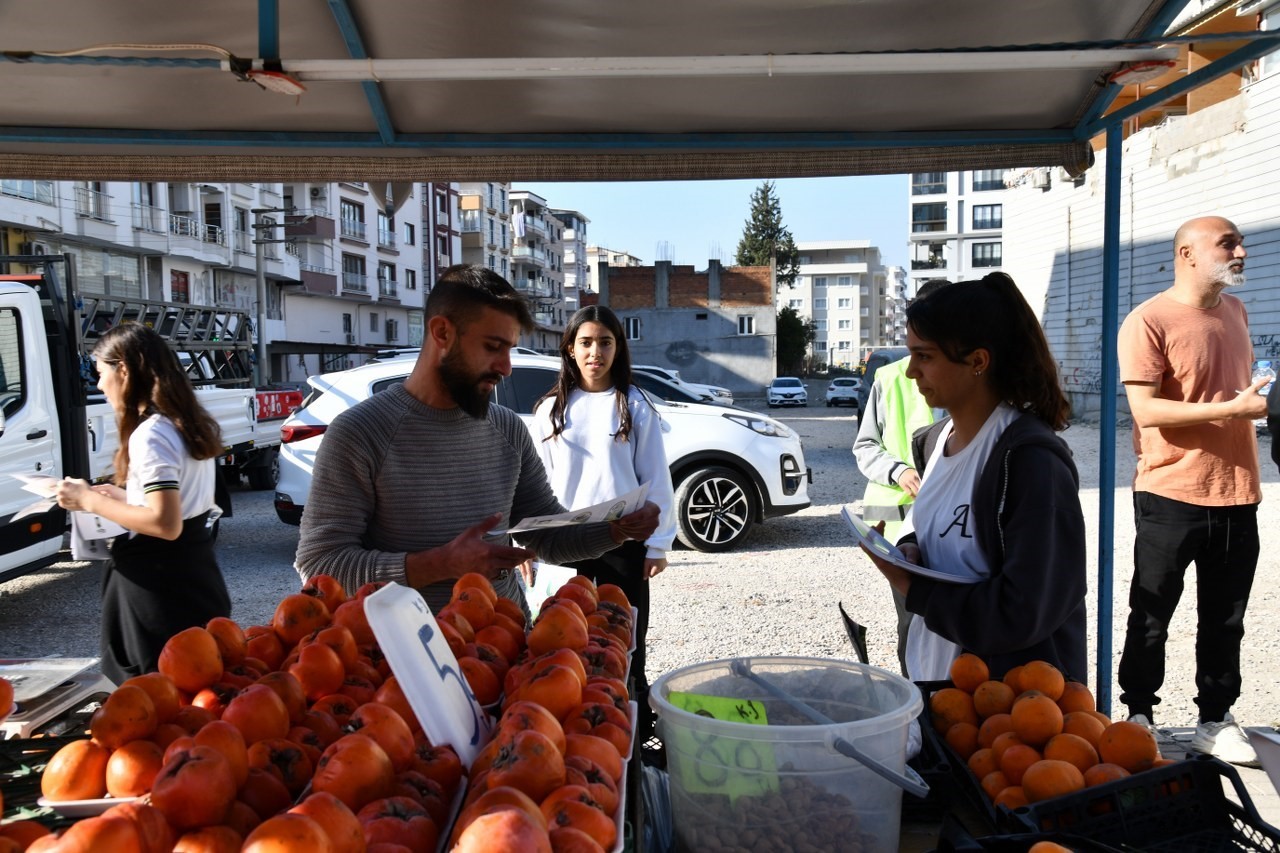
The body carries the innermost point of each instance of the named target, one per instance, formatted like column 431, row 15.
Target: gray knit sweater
column 394, row 475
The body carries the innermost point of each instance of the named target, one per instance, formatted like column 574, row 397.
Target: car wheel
column 263, row 477
column 715, row 508
column 829, row 404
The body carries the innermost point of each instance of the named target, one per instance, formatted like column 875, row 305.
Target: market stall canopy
column 557, row 89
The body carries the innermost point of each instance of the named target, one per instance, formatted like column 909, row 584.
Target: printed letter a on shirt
column 961, row 521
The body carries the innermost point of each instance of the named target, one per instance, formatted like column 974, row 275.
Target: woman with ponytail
column 998, row 506
column 162, row 577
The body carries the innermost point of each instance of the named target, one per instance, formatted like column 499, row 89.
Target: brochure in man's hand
column 606, row 511
column 867, row 535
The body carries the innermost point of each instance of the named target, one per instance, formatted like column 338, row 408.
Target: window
column 842, row 325
column 410, row 234
column 928, row 183
column 352, row 218
column 820, row 305
column 928, row 256
column 373, row 321
column 986, row 254
column 92, row 201
column 411, row 279
column 13, row 388
column 41, row 191
column 797, row 304
column 442, row 203
column 845, row 302
column 928, row 217
column 746, row 324
column 844, row 281
column 842, row 345
column 819, row 281
column 353, row 274
column 386, row 280
column 988, row 216
column 820, row 346
column 633, row 328
column 988, row 179
column 819, row 325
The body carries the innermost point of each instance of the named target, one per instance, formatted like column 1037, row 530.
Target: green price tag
column 714, row 765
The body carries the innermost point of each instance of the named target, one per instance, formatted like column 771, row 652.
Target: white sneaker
column 1164, row 737
column 1225, row 740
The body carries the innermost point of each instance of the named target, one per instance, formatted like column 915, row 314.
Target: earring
column 977, row 372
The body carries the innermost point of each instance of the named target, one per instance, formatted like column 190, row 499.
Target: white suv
column 731, row 467
column 710, row 393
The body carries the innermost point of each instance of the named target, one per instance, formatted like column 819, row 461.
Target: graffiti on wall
column 1266, row 345
column 1083, row 378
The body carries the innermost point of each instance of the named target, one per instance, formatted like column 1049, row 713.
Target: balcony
column 148, row 217
column 92, row 204
column 188, row 226
column 354, row 282
column 386, row 239
column 529, row 255
column 539, row 289
column 313, row 223
column 387, row 288
column 544, row 318
column 930, row 264
column 353, row 229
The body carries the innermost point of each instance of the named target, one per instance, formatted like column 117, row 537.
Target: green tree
column 764, row 237
column 795, row 334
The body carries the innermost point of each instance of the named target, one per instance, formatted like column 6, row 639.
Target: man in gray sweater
column 408, row 482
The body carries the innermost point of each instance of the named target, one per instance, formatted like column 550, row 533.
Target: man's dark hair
column 930, row 286
column 464, row 289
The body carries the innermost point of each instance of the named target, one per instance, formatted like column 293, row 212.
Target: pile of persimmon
column 1034, row 735
column 293, row 735
column 549, row 778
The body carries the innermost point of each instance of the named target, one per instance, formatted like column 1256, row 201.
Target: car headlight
column 764, row 426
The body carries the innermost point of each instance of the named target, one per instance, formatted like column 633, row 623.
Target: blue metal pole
column 1107, row 428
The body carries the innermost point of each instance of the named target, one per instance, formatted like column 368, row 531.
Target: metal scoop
column 910, row 782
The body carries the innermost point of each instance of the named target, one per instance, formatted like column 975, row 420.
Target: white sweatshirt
column 587, row 466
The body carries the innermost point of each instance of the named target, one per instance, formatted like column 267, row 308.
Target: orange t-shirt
column 1196, row 355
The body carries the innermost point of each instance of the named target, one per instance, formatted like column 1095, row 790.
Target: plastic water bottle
column 1264, row 370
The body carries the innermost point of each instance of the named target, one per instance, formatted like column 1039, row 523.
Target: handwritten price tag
column 732, row 766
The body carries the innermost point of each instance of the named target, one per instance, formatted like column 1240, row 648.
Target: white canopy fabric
column 555, row 89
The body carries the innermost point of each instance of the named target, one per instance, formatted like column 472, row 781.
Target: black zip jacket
column 1032, row 607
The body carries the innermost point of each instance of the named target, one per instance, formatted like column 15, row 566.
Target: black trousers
column 624, row 566
column 1223, row 544
column 154, row 588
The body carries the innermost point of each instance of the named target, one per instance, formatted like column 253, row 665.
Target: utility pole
column 262, row 373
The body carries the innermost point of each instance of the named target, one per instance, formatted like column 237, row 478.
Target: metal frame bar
column 1107, row 451
column 269, row 29
column 346, row 22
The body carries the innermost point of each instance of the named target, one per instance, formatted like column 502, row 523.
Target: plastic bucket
column 778, row 783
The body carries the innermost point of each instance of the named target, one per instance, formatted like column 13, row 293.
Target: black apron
column 152, row 589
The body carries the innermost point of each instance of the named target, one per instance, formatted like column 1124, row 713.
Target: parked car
column 710, row 393
column 843, row 391
column 876, row 360
column 731, row 468
column 786, row 391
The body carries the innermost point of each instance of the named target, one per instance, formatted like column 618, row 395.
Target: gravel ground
column 778, row 596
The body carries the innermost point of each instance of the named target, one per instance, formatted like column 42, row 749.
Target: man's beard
column 1225, row 274
column 464, row 388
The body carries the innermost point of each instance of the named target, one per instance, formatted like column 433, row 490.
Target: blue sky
column 694, row 217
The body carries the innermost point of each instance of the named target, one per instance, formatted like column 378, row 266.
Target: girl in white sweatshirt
column 600, row 437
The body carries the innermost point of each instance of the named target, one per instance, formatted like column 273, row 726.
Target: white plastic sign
column 427, row 670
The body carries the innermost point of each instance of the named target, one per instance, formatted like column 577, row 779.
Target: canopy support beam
column 1107, row 452
column 355, row 46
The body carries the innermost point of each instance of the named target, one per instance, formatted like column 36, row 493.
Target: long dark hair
column 992, row 314
column 153, row 381
column 571, row 377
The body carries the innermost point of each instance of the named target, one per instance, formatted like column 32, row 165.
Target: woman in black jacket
column 999, row 503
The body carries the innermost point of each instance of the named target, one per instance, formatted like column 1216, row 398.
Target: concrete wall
column 689, row 320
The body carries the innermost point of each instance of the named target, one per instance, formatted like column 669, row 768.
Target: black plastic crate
column 954, row 838
column 937, row 770
column 963, row 783
column 1180, row 807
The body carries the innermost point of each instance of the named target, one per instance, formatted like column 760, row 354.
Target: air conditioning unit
column 34, row 247
column 393, row 330
column 1041, row 179
column 351, row 338
column 317, row 192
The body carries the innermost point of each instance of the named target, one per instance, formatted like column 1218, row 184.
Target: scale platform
column 52, row 696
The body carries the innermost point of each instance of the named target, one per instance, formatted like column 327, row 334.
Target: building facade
column 844, row 289
column 597, row 255
column 577, row 277
column 957, row 219
column 717, row 327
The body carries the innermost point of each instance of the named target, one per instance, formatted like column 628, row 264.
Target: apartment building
column 577, row 271
column 346, row 265
column 956, row 225
column 845, row 290
column 537, row 257
column 597, row 255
